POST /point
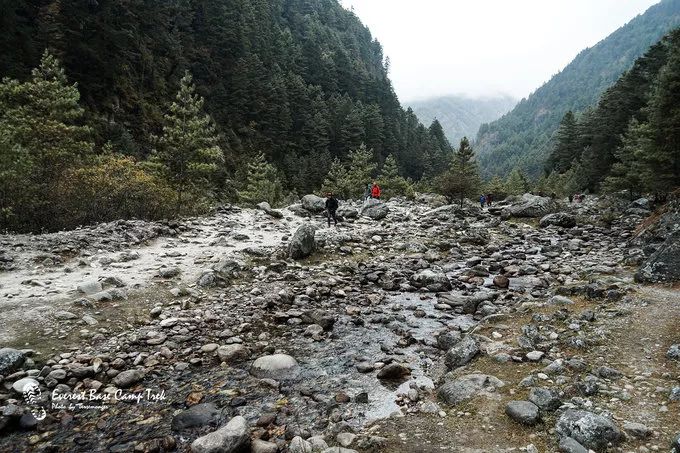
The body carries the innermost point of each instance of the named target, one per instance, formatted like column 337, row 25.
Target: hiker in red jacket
column 375, row 191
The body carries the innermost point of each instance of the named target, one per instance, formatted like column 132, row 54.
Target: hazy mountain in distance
column 521, row 139
column 460, row 115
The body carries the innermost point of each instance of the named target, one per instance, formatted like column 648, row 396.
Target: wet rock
column 433, row 281
column 560, row 219
column 449, row 339
column 127, row 378
column 524, row 412
column 588, row 429
column 233, row 353
column 347, row 212
column 198, row 415
column 501, row 281
column 462, row 353
column 234, row 437
column 277, row 367
column 465, row 387
column 664, row 264
column 374, row 209
column 302, row 244
column 313, row 203
column 10, row 360
column 393, row 371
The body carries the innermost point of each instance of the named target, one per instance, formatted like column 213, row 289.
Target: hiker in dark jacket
column 331, row 207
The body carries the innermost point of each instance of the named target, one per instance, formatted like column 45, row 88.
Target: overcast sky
column 486, row 47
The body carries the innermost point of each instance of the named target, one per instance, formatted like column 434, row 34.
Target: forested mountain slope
column 302, row 81
column 521, row 138
column 461, row 116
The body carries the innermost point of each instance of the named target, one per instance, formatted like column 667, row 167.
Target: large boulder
column 347, row 212
column 590, row 430
column 530, row 206
column 198, row 415
column 313, row 203
column 524, row 412
column 431, row 280
column 266, row 207
column 10, row 360
column 462, row 353
column 374, row 209
column 466, row 387
column 234, row 437
column 278, row 367
column 664, row 264
column 561, row 219
column 302, row 244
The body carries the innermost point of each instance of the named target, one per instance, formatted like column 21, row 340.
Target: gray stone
column 347, row 212
column 233, row 353
column 232, row 438
column 21, row 385
column 198, row 415
column 588, row 429
column 313, row 203
column 545, row 399
column 569, row 445
column 675, row 444
column 560, row 219
column 560, row 300
column 637, row 430
column 530, row 206
column 449, row 339
column 431, row 280
column 299, row 445
column 393, row 371
column 674, row 352
column 277, row 367
column 462, row 353
column 466, row 387
column 302, row 244
column 664, row 264
column 261, row 446
column 127, row 378
column 524, row 412
column 318, row 443
column 90, row 287
column 374, row 209
column 10, row 360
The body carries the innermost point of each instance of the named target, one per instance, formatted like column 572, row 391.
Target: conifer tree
column 496, row 187
column 627, row 172
column 567, row 144
column 350, row 179
column 188, row 153
column 262, row 183
column 390, row 181
column 462, row 178
column 516, row 183
column 336, row 181
column 42, row 136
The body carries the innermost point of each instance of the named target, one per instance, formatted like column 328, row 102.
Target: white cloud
column 480, row 47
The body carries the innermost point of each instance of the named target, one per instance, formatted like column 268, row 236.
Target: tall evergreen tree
column 188, row 153
column 628, row 173
column 262, row 183
column 517, row 183
column 390, row 181
column 462, row 178
column 566, row 144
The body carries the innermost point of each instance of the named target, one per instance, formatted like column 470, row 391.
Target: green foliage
column 391, row 182
column 523, row 137
column 462, row 178
column 496, row 187
column 40, row 138
column 262, row 183
column 188, row 153
column 516, row 183
column 627, row 172
column 112, row 187
column 350, row 180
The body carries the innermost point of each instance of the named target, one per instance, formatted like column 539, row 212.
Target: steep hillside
column 461, row 116
column 521, row 138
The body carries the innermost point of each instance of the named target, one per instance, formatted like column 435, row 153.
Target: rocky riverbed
column 414, row 326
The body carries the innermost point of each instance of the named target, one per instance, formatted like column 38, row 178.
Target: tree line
column 631, row 140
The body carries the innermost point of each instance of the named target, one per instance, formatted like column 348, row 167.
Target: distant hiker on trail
column 331, row 207
column 367, row 191
column 488, row 199
column 482, row 200
column 571, row 198
column 375, row 191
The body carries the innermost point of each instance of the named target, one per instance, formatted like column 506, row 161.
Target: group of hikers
column 485, row 200
column 371, row 191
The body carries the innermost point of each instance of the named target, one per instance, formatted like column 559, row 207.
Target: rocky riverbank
column 412, row 326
